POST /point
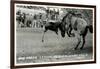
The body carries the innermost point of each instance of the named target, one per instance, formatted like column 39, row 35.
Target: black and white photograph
column 53, row 34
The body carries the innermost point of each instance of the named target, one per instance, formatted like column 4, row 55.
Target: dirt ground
column 31, row 49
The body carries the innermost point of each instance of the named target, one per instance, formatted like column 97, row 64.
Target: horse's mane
column 73, row 14
column 65, row 17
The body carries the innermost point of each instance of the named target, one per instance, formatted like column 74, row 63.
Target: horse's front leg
column 67, row 31
column 70, row 32
column 79, row 41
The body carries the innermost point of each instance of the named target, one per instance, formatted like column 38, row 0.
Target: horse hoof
column 42, row 40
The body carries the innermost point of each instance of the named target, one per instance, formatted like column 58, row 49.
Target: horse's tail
column 90, row 27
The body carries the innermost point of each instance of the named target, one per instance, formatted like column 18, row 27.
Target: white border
column 54, row 7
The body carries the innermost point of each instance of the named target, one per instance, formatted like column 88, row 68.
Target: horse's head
column 65, row 23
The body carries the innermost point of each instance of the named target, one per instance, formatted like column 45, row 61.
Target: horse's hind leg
column 83, row 37
column 79, row 40
column 56, row 31
column 83, row 42
column 43, row 35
